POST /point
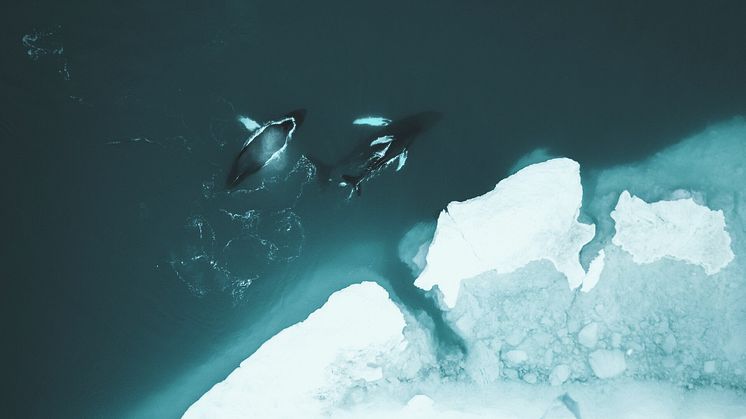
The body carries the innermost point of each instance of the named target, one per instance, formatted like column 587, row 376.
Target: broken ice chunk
column 588, row 336
column 607, row 364
column 681, row 230
column 669, row 344
column 559, row 374
column 515, row 357
column 530, row 216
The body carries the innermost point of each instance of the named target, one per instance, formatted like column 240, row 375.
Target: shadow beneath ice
column 423, row 306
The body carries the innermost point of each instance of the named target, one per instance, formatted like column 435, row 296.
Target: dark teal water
column 100, row 325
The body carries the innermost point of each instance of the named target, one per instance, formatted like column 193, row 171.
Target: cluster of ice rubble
column 652, row 323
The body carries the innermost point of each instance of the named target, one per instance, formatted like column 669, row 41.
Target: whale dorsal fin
column 373, row 121
column 248, row 123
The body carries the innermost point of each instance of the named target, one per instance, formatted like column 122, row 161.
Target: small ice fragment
column 607, row 364
column 588, row 336
column 559, row 374
column 515, row 337
column 516, row 357
column 709, row 367
column 669, row 344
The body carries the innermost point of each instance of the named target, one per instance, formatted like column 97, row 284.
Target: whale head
column 299, row 115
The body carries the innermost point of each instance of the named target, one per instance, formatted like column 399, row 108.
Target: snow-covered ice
column 306, row 366
column 607, row 364
column 559, row 374
column 588, row 335
column 679, row 229
column 529, row 216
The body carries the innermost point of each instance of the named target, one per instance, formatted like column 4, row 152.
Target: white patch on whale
column 382, row 140
column 402, row 160
column 380, row 153
column 248, row 123
column 373, row 121
column 259, row 131
column 276, row 155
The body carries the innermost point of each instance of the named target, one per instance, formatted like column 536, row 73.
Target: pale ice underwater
column 617, row 293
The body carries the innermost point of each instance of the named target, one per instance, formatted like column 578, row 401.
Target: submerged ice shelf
column 654, row 325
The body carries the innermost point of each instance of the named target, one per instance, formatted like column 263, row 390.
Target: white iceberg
column 679, row 229
column 297, row 373
column 529, row 216
column 607, row 364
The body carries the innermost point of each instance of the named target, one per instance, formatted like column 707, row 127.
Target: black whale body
column 264, row 144
column 377, row 150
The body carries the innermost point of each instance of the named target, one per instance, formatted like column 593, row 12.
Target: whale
column 266, row 144
column 388, row 143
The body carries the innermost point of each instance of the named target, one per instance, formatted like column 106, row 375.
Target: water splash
column 263, row 241
column 40, row 44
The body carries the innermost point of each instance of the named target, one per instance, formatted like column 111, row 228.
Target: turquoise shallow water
column 117, row 120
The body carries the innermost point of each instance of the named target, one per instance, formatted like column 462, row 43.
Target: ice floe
column 304, row 368
column 679, row 229
column 659, row 329
column 529, row 216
